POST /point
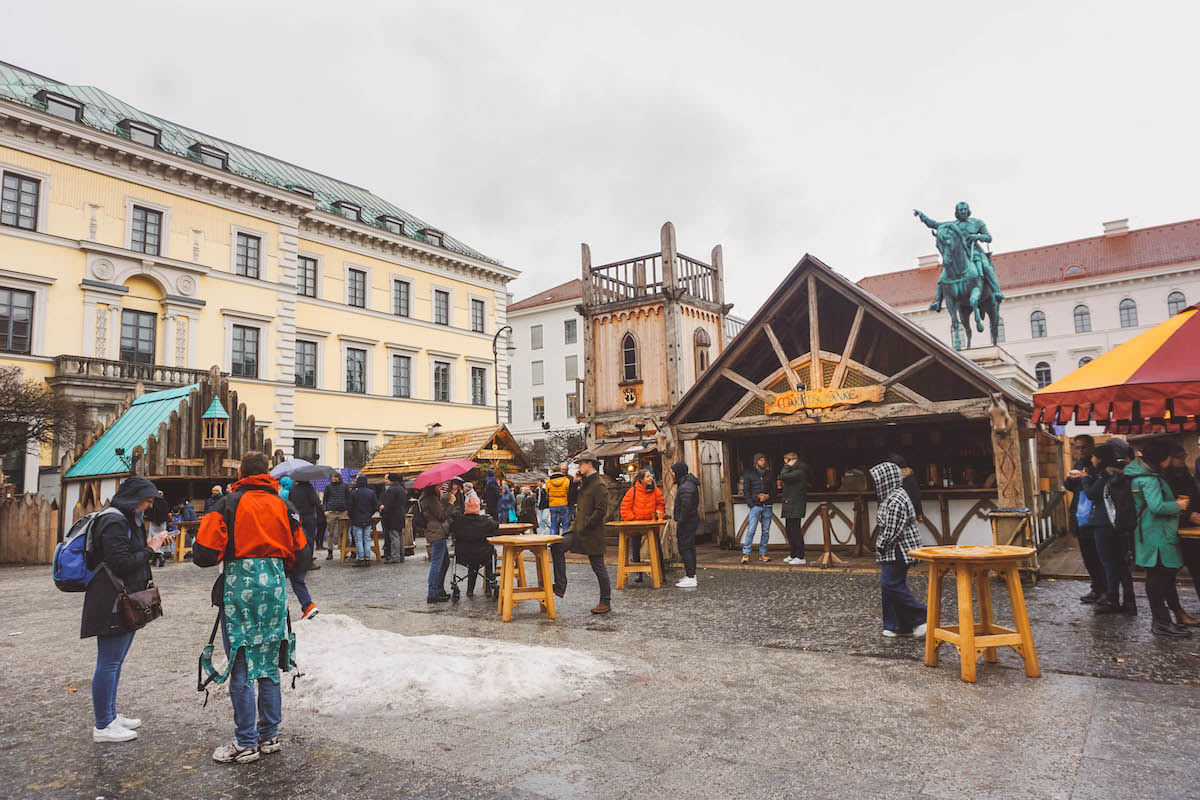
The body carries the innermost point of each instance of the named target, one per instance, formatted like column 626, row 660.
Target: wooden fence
column 28, row 530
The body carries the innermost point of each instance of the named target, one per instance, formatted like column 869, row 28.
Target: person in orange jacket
column 644, row 501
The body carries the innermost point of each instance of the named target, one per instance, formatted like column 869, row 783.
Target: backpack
column 70, row 565
column 1120, row 491
column 418, row 519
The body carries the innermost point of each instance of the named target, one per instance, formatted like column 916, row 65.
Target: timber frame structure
column 817, row 337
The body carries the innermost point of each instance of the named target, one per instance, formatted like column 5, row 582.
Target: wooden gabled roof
column 859, row 340
column 412, row 453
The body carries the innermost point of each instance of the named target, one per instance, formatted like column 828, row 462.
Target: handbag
column 138, row 609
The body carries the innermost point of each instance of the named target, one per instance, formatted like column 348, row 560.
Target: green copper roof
column 102, row 111
column 131, row 429
column 216, row 410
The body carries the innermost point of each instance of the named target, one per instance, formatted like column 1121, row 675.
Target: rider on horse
column 972, row 230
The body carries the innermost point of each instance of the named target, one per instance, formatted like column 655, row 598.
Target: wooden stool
column 181, row 548
column 512, row 569
column 624, row 530
column 347, row 549
column 971, row 564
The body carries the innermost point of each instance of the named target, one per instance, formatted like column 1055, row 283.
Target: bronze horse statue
column 963, row 285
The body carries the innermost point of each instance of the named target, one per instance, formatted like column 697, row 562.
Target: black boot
column 1089, row 598
column 1107, row 604
column 1169, row 628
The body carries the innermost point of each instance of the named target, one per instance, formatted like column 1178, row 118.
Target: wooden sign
column 184, row 462
column 231, row 463
column 492, row 454
column 792, row 402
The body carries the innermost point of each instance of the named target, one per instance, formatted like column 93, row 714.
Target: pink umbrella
column 443, row 472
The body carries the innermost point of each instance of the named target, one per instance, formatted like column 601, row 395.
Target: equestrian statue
column 968, row 279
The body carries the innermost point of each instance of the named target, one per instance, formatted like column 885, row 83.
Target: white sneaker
column 787, row 559
column 113, row 733
column 894, row 634
column 799, row 561
column 230, row 753
column 917, row 631
column 686, row 583
column 129, row 723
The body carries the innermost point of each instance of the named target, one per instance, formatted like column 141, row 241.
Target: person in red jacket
column 257, row 535
column 644, row 501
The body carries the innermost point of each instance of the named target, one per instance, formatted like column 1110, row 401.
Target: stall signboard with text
column 792, row 402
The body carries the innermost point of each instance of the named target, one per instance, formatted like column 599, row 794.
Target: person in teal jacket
column 1156, row 538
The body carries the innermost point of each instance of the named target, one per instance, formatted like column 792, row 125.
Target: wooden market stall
column 410, row 454
column 829, row 371
column 184, row 439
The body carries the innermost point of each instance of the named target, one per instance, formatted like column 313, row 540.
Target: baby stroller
column 475, row 557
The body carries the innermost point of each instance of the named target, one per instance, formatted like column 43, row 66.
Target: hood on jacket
column 887, row 478
column 285, row 482
column 360, row 482
column 1138, row 468
column 897, row 459
column 680, row 468
column 131, row 492
column 260, row 481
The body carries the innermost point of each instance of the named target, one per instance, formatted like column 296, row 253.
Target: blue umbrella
column 288, row 467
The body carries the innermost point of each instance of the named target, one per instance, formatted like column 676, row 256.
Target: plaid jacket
column 896, row 519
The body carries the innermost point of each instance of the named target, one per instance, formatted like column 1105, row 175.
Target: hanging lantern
column 216, row 426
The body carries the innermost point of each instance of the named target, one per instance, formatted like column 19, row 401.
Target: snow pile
column 350, row 669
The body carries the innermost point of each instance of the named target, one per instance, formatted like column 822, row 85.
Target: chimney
column 1116, row 227
column 929, row 261
column 433, row 429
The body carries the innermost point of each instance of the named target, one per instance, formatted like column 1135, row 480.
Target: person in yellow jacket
column 558, row 487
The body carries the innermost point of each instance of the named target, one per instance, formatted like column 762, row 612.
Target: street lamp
column 128, row 461
column 508, row 348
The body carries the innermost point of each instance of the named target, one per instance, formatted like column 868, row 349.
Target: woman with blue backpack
column 121, row 555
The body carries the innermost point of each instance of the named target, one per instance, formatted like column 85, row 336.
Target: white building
column 547, row 362
column 1068, row 303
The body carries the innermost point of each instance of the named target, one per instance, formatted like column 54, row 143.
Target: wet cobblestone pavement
column 755, row 685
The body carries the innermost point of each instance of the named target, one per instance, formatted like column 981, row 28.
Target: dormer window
column 210, row 156
column 393, row 224
column 61, row 106
column 1073, row 270
column 349, row 210
column 304, row 190
column 432, row 236
column 140, row 132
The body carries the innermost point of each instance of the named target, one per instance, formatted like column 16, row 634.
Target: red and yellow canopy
column 1153, row 376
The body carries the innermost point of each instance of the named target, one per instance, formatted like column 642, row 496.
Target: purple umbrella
column 443, row 472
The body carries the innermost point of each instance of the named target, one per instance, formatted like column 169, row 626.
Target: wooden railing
column 103, row 369
column 696, row 278
column 642, row 277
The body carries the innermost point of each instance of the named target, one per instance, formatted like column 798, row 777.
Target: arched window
column 702, row 342
column 629, row 358
column 1128, row 310
column 1037, row 325
column 1175, row 303
column 1000, row 331
column 1083, row 319
column 1042, row 373
column 1085, row 360
column 955, row 338
column 1074, row 269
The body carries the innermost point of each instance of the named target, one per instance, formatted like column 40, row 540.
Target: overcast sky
column 773, row 128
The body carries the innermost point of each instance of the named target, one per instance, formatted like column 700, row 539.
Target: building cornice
column 41, row 134
column 561, row 305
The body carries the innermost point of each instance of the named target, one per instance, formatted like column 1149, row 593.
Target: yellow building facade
column 132, row 248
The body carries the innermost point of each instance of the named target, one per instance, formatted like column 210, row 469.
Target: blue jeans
column 758, row 515
column 241, row 692
column 543, row 516
column 901, row 611
column 362, row 541
column 438, row 564
column 559, row 519
column 110, row 655
column 300, row 588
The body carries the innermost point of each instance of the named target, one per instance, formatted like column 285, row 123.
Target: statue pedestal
column 1000, row 364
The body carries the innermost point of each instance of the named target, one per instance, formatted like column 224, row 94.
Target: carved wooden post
column 588, row 400
column 827, row 559
column 729, row 534
column 673, row 324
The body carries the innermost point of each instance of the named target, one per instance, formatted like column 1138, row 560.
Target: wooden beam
column 815, row 378
column 839, row 374
column 909, row 370
column 792, row 377
column 745, row 383
column 892, row 412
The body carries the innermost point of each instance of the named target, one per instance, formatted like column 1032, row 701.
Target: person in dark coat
column 471, row 530
column 687, row 520
column 361, row 508
column 212, row 498
column 491, row 495
column 392, row 513
column 794, row 477
column 586, row 534
column 120, row 545
column 437, row 521
column 1183, row 484
column 335, row 502
column 1081, row 448
column 306, row 500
